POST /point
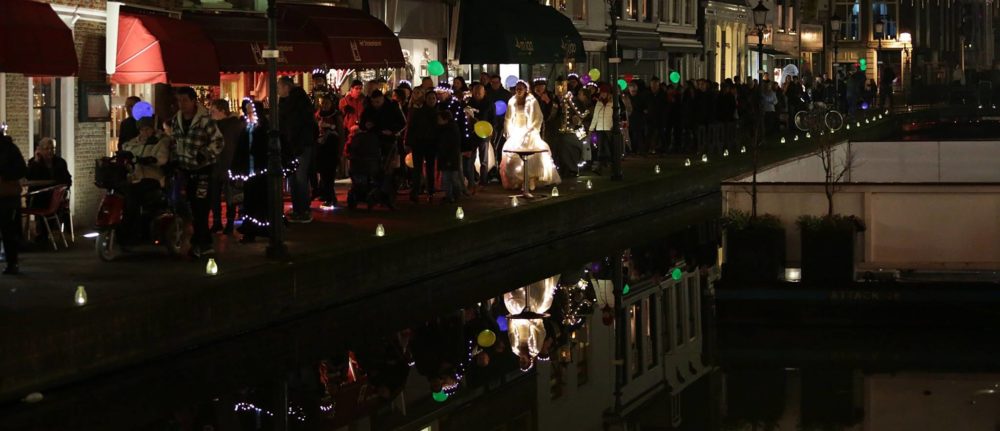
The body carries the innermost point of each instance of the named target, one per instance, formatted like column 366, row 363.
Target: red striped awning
column 240, row 39
column 354, row 39
column 156, row 49
column 34, row 41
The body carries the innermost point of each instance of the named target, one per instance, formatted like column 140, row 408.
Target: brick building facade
column 80, row 143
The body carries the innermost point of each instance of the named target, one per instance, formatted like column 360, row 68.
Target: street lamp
column 879, row 28
column 835, row 22
column 614, row 9
column 760, row 21
column 906, row 39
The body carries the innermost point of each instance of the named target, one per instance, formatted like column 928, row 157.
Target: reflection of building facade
column 663, row 339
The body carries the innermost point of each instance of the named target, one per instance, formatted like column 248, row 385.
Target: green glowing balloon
column 439, row 396
column 675, row 77
column 435, row 68
column 626, row 289
column 863, row 64
column 676, row 274
column 622, row 84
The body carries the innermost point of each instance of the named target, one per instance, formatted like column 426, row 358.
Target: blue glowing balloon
column 864, row 105
column 511, row 81
column 142, row 110
column 502, row 323
column 501, row 107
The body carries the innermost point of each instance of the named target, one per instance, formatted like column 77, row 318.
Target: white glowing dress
column 523, row 127
column 528, row 334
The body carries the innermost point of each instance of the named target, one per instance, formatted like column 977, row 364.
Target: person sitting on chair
column 49, row 167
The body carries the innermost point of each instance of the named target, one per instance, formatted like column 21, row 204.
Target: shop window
column 45, row 101
column 579, row 10
column 632, row 10
column 635, row 340
column 850, row 12
column 693, row 310
column 647, row 10
column 649, row 331
column 581, row 353
column 888, row 11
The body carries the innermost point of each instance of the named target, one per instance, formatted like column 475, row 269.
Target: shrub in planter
column 755, row 247
column 828, row 247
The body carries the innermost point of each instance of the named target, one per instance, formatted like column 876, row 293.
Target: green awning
column 516, row 32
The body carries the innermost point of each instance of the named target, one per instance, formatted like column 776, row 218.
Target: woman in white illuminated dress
column 527, row 307
column 523, row 126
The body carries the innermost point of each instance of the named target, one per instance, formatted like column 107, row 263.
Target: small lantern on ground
column 211, row 268
column 459, row 213
column 380, row 230
column 80, row 298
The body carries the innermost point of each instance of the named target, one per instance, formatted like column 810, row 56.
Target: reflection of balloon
column 501, row 107
column 676, row 274
column 142, row 110
column 435, row 68
column 409, row 160
column 622, row 84
column 675, row 77
column 483, row 129
column 486, row 338
column 502, row 323
column 440, row 396
column 629, row 77
column 511, row 81
column 585, row 79
column 594, row 74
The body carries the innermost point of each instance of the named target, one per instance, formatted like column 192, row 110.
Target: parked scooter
column 164, row 226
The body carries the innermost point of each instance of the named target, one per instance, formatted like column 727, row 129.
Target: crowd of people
column 418, row 139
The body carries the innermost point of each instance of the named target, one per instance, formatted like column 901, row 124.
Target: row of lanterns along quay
column 336, row 259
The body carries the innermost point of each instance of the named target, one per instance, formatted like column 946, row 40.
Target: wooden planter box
column 828, row 254
column 755, row 254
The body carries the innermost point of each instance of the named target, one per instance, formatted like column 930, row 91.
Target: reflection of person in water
column 527, row 307
column 438, row 350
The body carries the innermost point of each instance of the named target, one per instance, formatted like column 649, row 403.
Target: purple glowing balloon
column 502, row 323
column 864, row 106
column 585, row 79
column 142, row 110
column 501, row 107
column 511, row 81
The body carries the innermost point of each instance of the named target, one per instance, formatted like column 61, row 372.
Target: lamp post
column 879, row 28
column 906, row 39
column 760, row 22
column 835, row 22
column 614, row 8
column 276, row 248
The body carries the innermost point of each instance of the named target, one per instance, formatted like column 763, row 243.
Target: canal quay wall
column 48, row 347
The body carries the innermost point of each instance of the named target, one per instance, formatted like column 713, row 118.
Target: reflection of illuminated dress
column 527, row 306
column 523, row 126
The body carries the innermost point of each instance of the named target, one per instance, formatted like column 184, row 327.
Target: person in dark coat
column 449, row 156
column 231, row 127
column 128, row 129
column 421, row 139
column 12, row 171
column 331, row 125
column 46, row 166
column 299, row 130
column 656, row 117
column 481, row 109
column 249, row 166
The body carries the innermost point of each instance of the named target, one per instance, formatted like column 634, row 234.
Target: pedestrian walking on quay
column 12, row 173
column 198, row 146
column 297, row 125
column 231, row 127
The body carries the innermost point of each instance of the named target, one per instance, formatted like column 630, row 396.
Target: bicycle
column 819, row 117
